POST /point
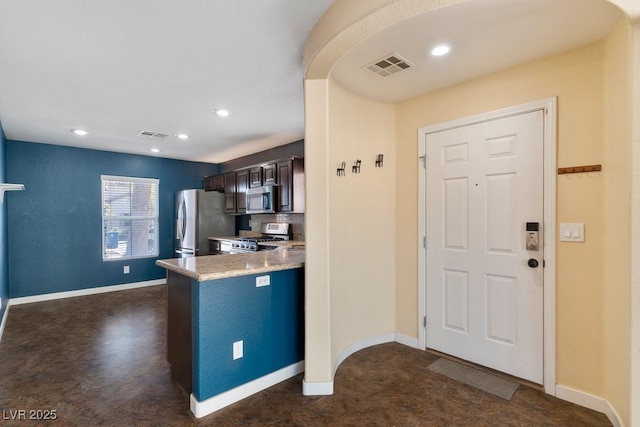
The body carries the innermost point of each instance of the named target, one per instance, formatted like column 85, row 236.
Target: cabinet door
column 255, row 177
column 291, row 196
column 230, row 192
column 285, row 182
column 207, row 183
column 214, row 183
column 242, row 183
column 218, row 183
column 269, row 176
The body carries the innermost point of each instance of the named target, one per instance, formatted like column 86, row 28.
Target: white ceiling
column 489, row 35
column 121, row 66
column 116, row 67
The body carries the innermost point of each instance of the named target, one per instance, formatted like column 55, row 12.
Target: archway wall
column 616, row 236
column 592, row 129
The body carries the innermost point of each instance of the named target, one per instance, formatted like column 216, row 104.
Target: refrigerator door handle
column 184, row 218
column 185, row 251
column 180, row 220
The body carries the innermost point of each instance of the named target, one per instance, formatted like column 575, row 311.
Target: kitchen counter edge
column 212, row 267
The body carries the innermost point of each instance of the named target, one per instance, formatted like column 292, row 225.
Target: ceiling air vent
column 389, row 65
column 151, row 134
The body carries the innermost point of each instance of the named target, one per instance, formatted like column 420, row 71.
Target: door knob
column 533, row 263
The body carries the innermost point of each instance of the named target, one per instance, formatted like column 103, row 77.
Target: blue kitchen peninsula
column 235, row 323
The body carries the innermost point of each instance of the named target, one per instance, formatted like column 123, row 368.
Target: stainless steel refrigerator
column 199, row 215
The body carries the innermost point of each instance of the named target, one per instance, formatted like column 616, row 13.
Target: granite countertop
column 283, row 243
column 213, row 267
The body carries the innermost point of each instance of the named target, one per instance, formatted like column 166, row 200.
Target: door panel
column 501, row 211
column 484, row 183
column 456, row 207
column 456, row 300
column 501, row 309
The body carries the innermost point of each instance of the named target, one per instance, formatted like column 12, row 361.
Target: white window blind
column 129, row 217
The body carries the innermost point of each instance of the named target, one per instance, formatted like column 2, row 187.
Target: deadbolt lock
column 532, row 239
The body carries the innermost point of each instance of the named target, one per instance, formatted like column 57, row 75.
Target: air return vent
column 389, row 65
column 151, row 134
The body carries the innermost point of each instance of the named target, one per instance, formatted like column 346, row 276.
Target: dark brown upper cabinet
column 242, row 183
column 287, row 174
column 269, row 176
column 290, row 178
column 214, row 183
column 255, row 177
column 229, row 192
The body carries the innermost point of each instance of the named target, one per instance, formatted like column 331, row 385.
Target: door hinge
column 424, row 160
column 424, row 321
column 424, row 242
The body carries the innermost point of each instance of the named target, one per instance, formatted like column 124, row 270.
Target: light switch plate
column 572, row 232
column 238, row 350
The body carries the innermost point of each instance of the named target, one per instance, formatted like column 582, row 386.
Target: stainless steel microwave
column 261, row 199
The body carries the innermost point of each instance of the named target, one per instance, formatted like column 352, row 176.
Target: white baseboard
column 83, row 292
column 407, row 340
column 360, row 345
column 589, row 401
column 324, row 388
column 215, row 403
column 4, row 320
column 612, row 414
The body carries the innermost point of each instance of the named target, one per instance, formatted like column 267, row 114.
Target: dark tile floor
column 99, row 360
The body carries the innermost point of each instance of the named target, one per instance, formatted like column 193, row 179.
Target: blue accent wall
column 4, row 274
column 268, row 319
column 55, row 233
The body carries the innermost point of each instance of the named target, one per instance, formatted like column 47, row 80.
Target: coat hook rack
column 580, row 169
column 356, row 166
column 341, row 169
column 379, row 160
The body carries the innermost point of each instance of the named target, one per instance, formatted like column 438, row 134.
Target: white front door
column 484, row 293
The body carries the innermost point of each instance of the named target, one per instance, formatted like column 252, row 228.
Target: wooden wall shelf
column 580, row 169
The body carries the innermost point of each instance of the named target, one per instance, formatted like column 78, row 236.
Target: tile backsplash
column 296, row 221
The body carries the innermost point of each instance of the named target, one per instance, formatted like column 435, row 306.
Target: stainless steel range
column 271, row 232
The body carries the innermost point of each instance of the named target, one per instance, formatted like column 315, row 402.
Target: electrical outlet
column 263, row 281
column 126, row 269
column 237, row 350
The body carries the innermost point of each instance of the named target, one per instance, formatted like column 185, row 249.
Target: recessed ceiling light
column 442, row 49
column 155, row 150
column 80, row 132
column 222, row 112
column 182, row 136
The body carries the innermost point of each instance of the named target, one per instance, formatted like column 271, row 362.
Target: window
column 129, row 217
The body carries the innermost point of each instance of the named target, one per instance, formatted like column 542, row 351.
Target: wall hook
column 341, row 169
column 379, row 160
column 356, row 166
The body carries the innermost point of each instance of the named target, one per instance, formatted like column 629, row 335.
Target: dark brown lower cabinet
column 179, row 328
